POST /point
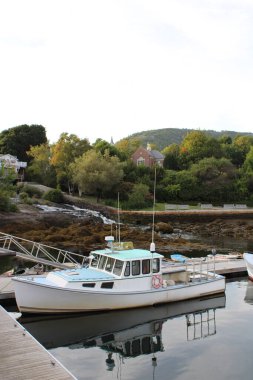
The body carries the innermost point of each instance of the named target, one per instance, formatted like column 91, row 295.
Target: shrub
column 4, row 202
column 32, row 191
column 54, row 195
column 139, row 197
column 24, row 198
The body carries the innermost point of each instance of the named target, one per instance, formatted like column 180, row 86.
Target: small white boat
column 118, row 277
column 248, row 258
column 226, row 256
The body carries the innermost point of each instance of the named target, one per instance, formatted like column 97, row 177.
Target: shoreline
column 83, row 234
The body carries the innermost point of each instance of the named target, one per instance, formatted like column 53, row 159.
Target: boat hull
column 248, row 258
column 32, row 297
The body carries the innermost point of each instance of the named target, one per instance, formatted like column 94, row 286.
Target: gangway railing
column 38, row 252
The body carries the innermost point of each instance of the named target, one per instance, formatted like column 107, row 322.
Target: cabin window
column 88, row 284
column 156, row 265
column 135, row 267
column 108, row 338
column 109, row 264
column 127, row 269
column 118, row 267
column 146, row 347
column 136, row 347
column 102, row 261
column 127, row 348
column 145, row 266
column 94, row 261
column 107, row 285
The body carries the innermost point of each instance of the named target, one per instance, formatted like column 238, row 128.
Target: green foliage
column 238, row 150
column 172, row 157
column 139, row 197
column 5, row 202
column 63, row 154
column 216, row 178
column 167, row 136
column 248, row 163
column 126, row 147
column 40, row 169
column 25, row 198
column 18, row 140
column 54, row 195
column 102, row 146
column 95, row 173
column 198, row 145
column 31, row 191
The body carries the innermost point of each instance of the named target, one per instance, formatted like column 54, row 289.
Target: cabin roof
column 84, row 274
column 128, row 254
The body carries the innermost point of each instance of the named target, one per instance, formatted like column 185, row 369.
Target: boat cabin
column 112, row 268
column 125, row 261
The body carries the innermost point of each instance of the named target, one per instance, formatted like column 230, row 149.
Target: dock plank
column 22, row 357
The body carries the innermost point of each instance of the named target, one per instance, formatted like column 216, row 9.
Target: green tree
column 18, row 140
column 63, row 154
column 139, row 197
column 225, row 140
column 40, row 169
column 180, row 186
column 127, row 147
column 198, row 145
column 216, row 179
column 172, row 157
column 101, row 146
column 95, row 173
column 7, row 189
column 248, row 163
column 239, row 149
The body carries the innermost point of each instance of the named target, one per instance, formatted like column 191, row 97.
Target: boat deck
column 227, row 268
column 22, row 357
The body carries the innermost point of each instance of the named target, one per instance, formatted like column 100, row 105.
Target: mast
column 152, row 245
column 118, row 219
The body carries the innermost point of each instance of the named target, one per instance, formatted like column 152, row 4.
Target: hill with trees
column 167, row 136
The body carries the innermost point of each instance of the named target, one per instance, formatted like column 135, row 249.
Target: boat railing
column 199, row 269
column 38, row 252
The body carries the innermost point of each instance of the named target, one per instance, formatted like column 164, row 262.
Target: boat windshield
column 95, row 260
column 109, row 264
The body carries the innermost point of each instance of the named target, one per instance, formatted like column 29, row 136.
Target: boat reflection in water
column 128, row 333
column 249, row 293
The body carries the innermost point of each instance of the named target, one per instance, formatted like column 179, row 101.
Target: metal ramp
column 39, row 253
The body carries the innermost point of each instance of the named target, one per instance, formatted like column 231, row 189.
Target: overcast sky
column 110, row 68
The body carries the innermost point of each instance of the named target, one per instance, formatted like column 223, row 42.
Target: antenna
column 152, row 245
column 118, row 219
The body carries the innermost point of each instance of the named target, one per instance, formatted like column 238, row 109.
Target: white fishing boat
column 248, row 258
column 117, row 277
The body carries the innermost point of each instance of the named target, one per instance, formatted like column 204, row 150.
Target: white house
column 7, row 161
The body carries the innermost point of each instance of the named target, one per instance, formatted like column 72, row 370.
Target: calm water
column 208, row 339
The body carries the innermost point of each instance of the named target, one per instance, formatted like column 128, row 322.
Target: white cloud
column 102, row 69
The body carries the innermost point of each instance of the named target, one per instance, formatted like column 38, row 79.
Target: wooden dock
column 23, row 358
column 6, row 288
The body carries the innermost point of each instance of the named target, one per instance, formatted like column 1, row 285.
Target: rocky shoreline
column 83, row 234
